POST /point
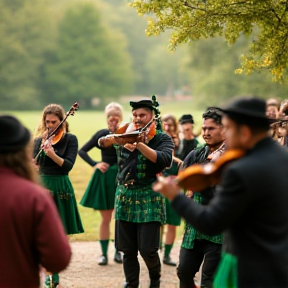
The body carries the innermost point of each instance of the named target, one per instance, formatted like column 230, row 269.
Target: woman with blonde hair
column 100, row 192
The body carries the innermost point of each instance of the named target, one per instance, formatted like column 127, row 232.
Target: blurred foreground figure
column 31, row 231
column 250, row 207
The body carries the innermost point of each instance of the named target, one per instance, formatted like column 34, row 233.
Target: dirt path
column 84, row 272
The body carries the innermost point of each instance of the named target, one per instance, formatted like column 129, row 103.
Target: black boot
column 126, row 285
column 118, row 257
column 167, row 261
column 154, row 284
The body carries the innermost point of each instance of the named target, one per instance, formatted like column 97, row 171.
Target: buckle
column 130, row 182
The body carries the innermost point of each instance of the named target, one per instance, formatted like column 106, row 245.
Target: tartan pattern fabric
column 190, row 234
column 139, row 205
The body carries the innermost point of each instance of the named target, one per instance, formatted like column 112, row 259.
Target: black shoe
column 103, row 260
column 118, row 257
column 154, row 284
column 167, row 261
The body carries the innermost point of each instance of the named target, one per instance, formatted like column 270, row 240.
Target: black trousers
column 190, row 262
column 143, row 237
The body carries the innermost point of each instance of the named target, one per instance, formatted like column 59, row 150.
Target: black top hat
column 142, row 104
column 14, row 136
column 249, row 107
column 186, row 118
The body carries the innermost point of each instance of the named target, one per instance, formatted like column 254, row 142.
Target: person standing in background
column 55, row 161
column 100, row 192
column 32, row 234
column 188, row 141
column 170, row 126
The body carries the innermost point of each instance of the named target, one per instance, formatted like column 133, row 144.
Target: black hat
column 186, row 118
column 249, row 107
column 14, row 135
column 142, row 104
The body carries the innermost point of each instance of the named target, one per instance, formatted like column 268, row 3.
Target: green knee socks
column 167, row 249
column 104, row 246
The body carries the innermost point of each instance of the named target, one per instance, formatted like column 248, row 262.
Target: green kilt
column 100, row 192
column 139, row 205
column 226, row 274
column 62, row 191
column 172, row 218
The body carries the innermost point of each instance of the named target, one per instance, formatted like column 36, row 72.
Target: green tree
column 212, row 65
column 190, row 20
column 166, row 70
column 25, row 32
column 88, row 61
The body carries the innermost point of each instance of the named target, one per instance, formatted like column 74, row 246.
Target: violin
column 56, row 135
column 198, row 177
column 121, row 137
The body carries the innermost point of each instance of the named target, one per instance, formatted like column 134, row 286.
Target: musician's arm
column 148, row 152
column 106, row 141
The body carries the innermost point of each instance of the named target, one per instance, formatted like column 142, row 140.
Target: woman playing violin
column 55, row 161
column 100, row 192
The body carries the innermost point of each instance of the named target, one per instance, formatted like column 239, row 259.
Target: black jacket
column 251, row 208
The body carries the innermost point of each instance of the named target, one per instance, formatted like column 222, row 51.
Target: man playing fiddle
column 139, row 211
column 250, row 207
column 197, row 247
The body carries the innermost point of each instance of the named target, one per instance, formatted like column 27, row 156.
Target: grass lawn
column 84, row 124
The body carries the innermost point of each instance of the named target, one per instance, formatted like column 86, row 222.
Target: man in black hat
column 189, row 141
column 31, row 229
column 139, row 211
column 250, row 206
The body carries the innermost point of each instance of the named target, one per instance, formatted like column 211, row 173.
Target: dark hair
column 213, row 113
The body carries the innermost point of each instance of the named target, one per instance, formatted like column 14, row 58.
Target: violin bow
column 71, row 112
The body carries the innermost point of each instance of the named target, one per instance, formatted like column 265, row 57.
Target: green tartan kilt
column 226, row 274
column 100, row 192
column 172, row 217
column 62, row 192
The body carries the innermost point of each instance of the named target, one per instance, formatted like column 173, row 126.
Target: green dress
column 55, row 178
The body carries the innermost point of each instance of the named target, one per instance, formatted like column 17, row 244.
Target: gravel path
column 83, row 270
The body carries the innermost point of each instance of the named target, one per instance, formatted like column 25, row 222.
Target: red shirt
column 31, row 232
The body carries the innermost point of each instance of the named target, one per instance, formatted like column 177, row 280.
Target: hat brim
column 244, row 112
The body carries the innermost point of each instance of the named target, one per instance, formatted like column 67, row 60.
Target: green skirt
column 100, row 192
column 226, row 275
column 172, row 217
column 63, row 194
